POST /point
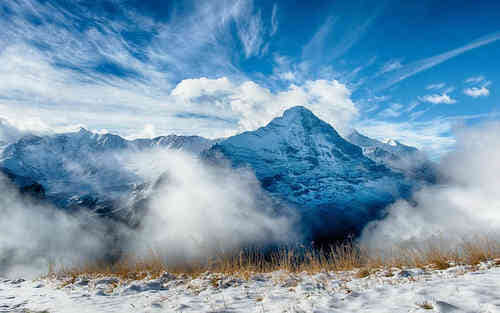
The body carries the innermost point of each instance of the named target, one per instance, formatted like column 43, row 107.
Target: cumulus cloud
column 466, row 204
column 438, row 98
column 478, row 87
column 253, row 106
column 477, row 92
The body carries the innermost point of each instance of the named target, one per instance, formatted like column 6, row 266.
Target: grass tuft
column 347, row 256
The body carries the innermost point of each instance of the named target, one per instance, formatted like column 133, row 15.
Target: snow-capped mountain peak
column 392, row 142
column 303, row 161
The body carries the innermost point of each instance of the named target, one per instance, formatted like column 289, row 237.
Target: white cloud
column 432, row 137
column 252, row 105
column 475, row 79
column 392, row 111
column 418, row 66
column 201, row 106
column 274, row 20
column 438, row 98
column 60, row 84
column 476, row 92
column 465, row 208
column 250, row 30
column 391, row 66
column 13, row 129
column 435, row 86
column 287, row 76
column 412, row 106
column 415, row 115
column 193, row 88
column 315, row 47
column 478, row 87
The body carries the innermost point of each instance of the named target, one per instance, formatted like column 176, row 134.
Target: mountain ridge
column 299, row 159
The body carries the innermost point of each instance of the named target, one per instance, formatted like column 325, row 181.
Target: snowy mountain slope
column 381, row 151
column 305, row 162
column 397, row 156
column 84, row 169
column 192, row 144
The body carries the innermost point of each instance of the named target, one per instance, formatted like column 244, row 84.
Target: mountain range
column 336, row 184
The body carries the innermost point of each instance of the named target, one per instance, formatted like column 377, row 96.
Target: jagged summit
column 83, row 130
column 297, row 133
column 392, row 142
column 300, row 116
column 298, row 112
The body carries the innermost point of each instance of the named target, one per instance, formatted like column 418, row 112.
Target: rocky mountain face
column 303, row 161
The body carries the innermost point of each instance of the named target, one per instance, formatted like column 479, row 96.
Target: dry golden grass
column 426, row 305
column 364, row 272
column 246, row 263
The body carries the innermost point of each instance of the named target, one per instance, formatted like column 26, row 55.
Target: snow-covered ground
column 457, row 289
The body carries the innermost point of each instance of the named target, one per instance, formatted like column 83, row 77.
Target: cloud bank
column 34, row 235
column 198, row 210
column 465, row 204
column 193, row 211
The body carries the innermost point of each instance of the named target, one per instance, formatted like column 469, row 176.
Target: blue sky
column 412, row 71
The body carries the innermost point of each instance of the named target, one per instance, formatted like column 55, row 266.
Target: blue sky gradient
column 412, row 71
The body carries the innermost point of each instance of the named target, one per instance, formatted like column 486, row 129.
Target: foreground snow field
column 457, row 289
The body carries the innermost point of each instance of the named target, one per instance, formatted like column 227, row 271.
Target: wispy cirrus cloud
column 435, row 86
column 390, row 66
column 416, row 67
column 475, row 79
column 315, row 48
column 69, row 65
column 394, row 110
column 274, row 20
column 251, row 30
